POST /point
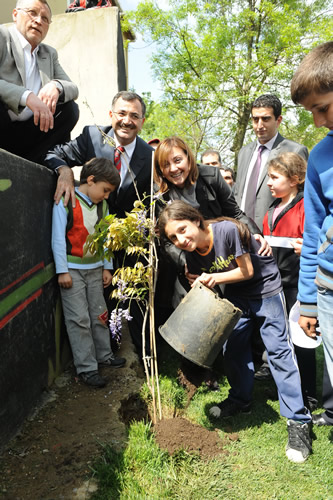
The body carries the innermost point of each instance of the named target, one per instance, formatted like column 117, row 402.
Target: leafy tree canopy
column 213, row 58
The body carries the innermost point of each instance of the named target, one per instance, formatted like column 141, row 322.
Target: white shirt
column 264, row 157
column 32, row 78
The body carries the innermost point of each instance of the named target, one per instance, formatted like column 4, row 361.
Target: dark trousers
column 25, row 138
column 270, row 314
column 137, row 311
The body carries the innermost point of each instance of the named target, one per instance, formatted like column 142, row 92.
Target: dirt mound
column 179, row 434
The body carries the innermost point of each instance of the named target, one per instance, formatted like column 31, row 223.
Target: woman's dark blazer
column 215, row 199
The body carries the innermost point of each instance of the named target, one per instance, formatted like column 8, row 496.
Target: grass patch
column 255, row 466
column 173, row 397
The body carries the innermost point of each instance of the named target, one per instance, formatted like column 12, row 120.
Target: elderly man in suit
column 36, row 95
column 251, row 190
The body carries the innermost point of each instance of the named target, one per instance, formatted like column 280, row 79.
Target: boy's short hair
column 314, row 74
column 102, row 169
column 268, row 101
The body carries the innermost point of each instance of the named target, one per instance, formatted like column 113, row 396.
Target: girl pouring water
column 224, row 252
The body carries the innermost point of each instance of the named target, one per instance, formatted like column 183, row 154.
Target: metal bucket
column 200, row 325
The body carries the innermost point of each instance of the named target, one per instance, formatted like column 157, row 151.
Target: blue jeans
column 325, row 317
column 269, row 315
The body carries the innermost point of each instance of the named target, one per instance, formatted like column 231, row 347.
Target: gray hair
column 22, row 3
column 129, row 96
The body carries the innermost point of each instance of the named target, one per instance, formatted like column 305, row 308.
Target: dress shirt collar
column 25, row 44
column 129, row 148
column 268, row 145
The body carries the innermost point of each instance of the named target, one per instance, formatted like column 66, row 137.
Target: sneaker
column 320, row 420
column 212, row 385
column 228, row 408
column 264, row 373
column 93, row 378
column 113, row 361
column 299, row 441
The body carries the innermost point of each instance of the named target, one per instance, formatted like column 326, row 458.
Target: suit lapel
column 17, row 53
column 273, row 153
column 100, row 147
column 247, row 160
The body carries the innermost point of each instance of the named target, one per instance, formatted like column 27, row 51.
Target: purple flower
column 116, row 324
column 126, row 315
column 141, row 222
column 121, row 285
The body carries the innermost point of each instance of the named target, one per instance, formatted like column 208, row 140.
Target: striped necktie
column 117, row 157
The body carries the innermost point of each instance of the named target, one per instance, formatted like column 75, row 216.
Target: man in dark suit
column 127, row 118
column 36, row 95
column 266, row 119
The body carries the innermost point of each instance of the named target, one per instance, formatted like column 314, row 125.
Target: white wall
column 89, row 51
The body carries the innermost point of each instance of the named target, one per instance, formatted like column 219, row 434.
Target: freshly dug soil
column 178, row 433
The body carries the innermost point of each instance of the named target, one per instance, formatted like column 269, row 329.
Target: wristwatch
column 59, row 86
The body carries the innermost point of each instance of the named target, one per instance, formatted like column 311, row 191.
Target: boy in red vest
column 81, row 276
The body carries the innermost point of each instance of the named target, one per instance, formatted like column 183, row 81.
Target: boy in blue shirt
column 312, row 87
column 81, row 277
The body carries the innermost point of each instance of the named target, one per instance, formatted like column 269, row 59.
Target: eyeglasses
column 35, row 15
column 132, row 116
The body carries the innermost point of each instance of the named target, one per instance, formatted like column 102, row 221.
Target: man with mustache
column 37, row 109
column 127, row 118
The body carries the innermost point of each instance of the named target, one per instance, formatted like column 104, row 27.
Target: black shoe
column 212, row 385
column 319, row 420
column 310, row 403
column 228, row 408
column 264, row 373
column 93, row 378
column 113, row 361
column 299, row 444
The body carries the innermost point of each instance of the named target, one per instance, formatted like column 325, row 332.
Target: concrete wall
column 91, row 51
column 33, row 344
